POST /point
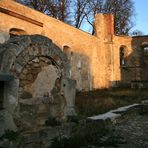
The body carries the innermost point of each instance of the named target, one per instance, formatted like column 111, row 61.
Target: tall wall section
column 95, row 60
column 135, row 63
column 104, row 31
column 126, row 43
column 82, row 46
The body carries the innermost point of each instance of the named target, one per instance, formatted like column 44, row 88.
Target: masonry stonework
column 94, row 60
column 43, row 61
column 41, row 86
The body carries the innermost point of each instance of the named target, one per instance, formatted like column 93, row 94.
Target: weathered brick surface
column 93, row 58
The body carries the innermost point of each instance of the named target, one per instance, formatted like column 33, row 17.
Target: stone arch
column 21, row 50
column 36, row 64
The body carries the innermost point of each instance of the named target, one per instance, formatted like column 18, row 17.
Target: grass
column 100, row 101
column 95, row 102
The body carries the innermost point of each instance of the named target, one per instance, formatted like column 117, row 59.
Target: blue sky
column 141, row 18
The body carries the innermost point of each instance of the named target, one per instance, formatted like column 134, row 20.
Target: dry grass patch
column 100, row 101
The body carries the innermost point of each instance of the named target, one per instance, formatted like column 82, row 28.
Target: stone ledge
column 113, row 115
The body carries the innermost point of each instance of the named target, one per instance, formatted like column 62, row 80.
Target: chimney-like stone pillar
column 104, row 26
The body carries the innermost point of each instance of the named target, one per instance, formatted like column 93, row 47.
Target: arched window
column 67, row 50
column 122, row 56
column 145, row 51
column 16, row 32
column 145, row 54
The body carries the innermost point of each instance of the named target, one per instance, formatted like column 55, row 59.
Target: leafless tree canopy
column 82, row 12
column 58, row 9
column 123, row 10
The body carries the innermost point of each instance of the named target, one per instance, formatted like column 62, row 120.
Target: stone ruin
column 35, row 83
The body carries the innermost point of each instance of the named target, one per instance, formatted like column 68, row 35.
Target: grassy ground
column 100, row 134
column 100, row 101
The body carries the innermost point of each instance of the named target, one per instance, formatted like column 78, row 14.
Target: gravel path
column 134, row 131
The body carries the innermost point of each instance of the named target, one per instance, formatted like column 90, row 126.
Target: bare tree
column 123, row 10
column 85, row 11
column 40, row 5
column 93, row 7
column 137, row 33
column 58, row 9
column 78, row 12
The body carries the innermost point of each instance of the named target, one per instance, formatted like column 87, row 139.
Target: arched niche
column 16, row 32
column 122, row 55
column 67, row 51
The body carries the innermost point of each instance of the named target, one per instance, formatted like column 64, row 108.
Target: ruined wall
column 94, row 60
column 104, row 56
column 121, row 41
column 38, row 67
column 90, row 56
column 141, row 56
column 80, row 43
column 133, row 68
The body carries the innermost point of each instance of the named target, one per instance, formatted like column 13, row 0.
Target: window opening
column 145, row 55
column 122, row 55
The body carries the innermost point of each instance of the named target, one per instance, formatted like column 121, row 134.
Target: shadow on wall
column 79, row 69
